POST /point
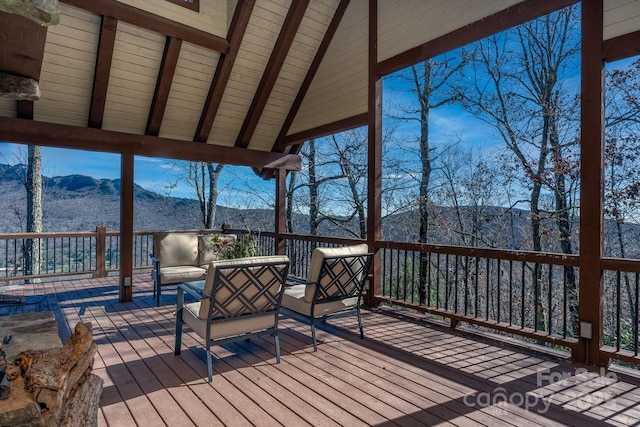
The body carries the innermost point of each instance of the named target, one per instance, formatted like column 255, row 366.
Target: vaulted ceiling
column 239, row 82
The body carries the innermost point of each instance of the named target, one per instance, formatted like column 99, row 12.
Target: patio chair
column 334, row 286
column 240, row 300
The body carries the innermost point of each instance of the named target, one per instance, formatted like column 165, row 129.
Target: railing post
column 280, row 209
column 101, row 252
column 591, row 188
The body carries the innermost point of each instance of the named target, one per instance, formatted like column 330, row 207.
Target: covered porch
column 405, row 372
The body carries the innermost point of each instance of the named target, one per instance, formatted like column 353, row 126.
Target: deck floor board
column 405, row 373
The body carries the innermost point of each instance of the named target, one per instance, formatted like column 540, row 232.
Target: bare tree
column 432, row 82
column 518, row 90
column 203, row 178
column 33, row 249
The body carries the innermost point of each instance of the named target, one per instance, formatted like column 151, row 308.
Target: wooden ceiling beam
column 500, row 21
column 328, row 129
column 621, row 47
column 106, row 45
column 64, row 136
column 149, row 21
column 163, row 85
column 222, row 74
column 270, row 76
column 311, row 73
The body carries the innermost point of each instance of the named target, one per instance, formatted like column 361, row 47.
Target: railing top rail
column 335, row 240
column 503, row 254
column 621, row 264
column 46, row 235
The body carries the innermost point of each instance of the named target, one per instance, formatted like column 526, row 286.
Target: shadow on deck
column 404, row 373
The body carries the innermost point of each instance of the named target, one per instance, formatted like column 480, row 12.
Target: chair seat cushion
column 226, row 328
column 294, row 299
column 181, row 273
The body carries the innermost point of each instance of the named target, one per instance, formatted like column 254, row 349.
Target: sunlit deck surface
column 404, row 373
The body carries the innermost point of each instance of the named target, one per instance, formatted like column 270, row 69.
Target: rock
column 22, row 88
column 44, row 12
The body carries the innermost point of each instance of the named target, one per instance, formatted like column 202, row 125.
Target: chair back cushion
column 173, row 249
column 244, row 286
column 317, row 258
column 209, row 250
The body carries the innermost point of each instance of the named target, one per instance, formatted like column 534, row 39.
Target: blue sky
column 239, row 186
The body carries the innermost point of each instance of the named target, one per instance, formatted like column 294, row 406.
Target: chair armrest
column 293, row 280
column 156, row 269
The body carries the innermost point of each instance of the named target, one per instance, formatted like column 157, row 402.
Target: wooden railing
column 90, row 253
column 522, row 293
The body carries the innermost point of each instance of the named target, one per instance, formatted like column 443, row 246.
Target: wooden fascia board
column 274, row 65
column 328, row 129
column 621, row 47
column 106, row 45
column 238, row 26
column 65, row 136
column 163, row 85
column 500, row 21
column 313, row 69
column 143, row 19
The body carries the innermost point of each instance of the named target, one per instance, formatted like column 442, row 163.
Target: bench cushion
column 176, row 249
column 316, row 263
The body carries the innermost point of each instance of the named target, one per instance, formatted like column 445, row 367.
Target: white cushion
column 316, row 263
column 173, row 249
column 181, row 273
column 294, row 299
column 227, row 328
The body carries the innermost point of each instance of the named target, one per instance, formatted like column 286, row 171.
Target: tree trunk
column 33, row 249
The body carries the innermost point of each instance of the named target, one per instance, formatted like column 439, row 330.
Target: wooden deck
column 404, row 373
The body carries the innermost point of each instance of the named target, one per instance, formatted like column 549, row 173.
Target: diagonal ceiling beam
column 102, row 71
column 313, row 69
column 276, row 60
column 237, row 29
column 163, row 85
column 500, row 21
column 64, row 136
column 149, row 21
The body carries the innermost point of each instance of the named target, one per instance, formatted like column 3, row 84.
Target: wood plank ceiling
column 241, row 82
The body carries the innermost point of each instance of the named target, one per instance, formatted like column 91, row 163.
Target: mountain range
column 80, row 203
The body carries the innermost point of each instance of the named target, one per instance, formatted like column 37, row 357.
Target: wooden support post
column 374, row 172
column 101, row 251
column 126, row 228
column 280, row 210
column 591, row 182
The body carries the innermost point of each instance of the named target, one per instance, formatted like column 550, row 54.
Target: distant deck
column 404, row 373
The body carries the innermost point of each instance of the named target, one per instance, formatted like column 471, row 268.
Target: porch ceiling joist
column 65, row 136
column 149, row 21
column 222, row 74
column 270, row 75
